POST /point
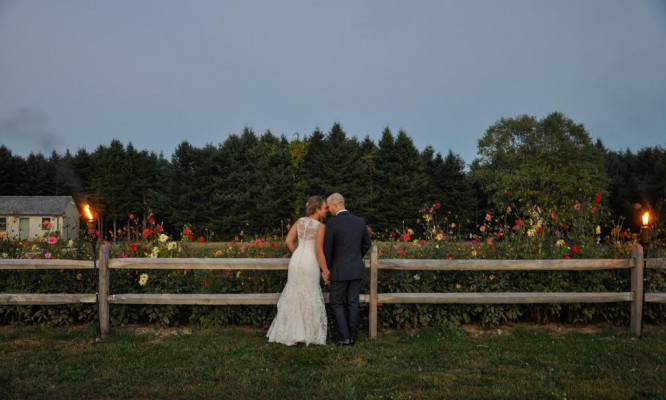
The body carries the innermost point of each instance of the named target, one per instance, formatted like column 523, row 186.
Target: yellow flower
column 238, row 274
column 458, row 286
column 474, row 253
column 78, row 277
column 70, row 243
column 143, row 279
column 559, row 243
column 598, row 230
column 491, row 277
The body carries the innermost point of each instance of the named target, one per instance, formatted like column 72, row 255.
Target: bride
column 301, row 314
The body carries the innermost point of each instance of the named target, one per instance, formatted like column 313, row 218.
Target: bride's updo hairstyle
column 313, row 204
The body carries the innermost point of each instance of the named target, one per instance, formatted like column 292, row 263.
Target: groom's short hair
column 336, row 198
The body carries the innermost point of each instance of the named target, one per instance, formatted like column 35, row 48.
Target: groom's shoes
column 345, row 342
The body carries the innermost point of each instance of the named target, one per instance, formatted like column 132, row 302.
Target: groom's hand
column 325, row 275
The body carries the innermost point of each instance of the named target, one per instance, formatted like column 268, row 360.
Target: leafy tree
column 12, row 172
column 549, row 162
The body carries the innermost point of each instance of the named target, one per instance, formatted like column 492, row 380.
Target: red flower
column 274, row 245
column 623, row 234
column 567, row 257
column 187, row 231
column 422, row 242
column 597, row 198
column 407, row 237
column 593, row 210
column 191, row 238
column 552, row 215
column 206, row 284
column 423, row 211
column 575, row 248
column 565, row 226
column 227, row 272
column 519, row 222
column 392, row 235
column 436, row 206
column 402, row 252
column 201, row 239
column 637, row 206
column 131, row 216
column 47, row 224
column 151, row 221
column 133, row 247
column 147, row 232
column 540, row 230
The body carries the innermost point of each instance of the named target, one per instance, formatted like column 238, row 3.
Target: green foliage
column 525, row 162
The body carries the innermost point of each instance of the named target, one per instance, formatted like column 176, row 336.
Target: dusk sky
column 81, row 73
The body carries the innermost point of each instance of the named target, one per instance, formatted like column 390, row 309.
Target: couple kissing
column 333, row 251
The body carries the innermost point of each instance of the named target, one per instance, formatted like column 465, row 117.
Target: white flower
column 143, row 279
column 171, row 245
column 5, row 255
column 163, row 238
column 155, row 252
column 559, row 243
column 70, row 243
column 531, row 232
column 417, row 277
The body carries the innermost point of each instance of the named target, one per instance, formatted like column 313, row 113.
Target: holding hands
column 325, row 275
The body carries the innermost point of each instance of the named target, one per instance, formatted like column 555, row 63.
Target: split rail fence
column 636, row 264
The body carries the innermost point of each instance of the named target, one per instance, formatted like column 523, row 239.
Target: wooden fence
column 104, row 298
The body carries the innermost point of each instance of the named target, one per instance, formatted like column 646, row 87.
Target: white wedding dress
column 301, row 314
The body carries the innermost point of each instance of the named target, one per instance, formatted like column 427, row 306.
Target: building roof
column 34, row 205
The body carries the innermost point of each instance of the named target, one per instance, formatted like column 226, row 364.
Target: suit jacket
column 345, row 244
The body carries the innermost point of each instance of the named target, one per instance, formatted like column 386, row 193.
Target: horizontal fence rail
column 635, row 264
column 27, row 299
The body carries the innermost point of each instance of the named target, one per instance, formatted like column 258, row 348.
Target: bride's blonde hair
column 313, row 204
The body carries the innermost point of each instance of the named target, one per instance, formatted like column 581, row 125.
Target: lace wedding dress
column 301, row 315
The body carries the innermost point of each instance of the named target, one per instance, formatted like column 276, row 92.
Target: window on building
column 46, row 224
column 3, row 224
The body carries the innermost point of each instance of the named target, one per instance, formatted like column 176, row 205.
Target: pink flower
column 436, row 206
column 488, row 217
column 423, row 211
column 637, row 206
column 123, row 255
column 508, row 209
column 52, row 240
column 577, row 207
column 47, row 255
column 422, row 242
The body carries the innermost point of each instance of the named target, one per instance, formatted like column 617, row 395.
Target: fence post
column 103, row 290
column 637, row 288
column 373, row 292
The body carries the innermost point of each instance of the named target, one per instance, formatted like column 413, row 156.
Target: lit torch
column 645, row 229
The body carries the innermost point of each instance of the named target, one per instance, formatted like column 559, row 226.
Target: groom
column 345, row 243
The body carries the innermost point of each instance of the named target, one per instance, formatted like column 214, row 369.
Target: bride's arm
column 319, row 251
column 291, row 236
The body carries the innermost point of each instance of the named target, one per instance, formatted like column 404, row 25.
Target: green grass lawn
column 237, row 363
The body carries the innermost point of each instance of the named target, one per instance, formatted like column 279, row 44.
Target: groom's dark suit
column 346, row 242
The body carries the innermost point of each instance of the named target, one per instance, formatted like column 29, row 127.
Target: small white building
column 24, row 217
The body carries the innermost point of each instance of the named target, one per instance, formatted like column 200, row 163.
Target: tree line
column 257, row 184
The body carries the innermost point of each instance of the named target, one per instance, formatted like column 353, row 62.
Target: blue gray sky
column 155, row 72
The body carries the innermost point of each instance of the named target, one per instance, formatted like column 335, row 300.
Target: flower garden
column 583, row 230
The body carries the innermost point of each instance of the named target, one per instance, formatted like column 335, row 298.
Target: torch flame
column 646, row 218
column 86, row 208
